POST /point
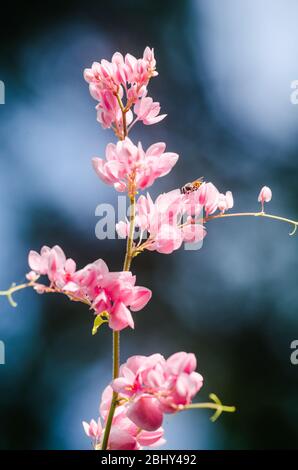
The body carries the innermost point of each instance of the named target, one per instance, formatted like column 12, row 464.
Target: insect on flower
column 194, row 186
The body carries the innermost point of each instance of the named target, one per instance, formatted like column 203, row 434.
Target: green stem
column 123, row 111
column 255, row 214
column 116, row 334
column 217, row 406
column 129, row 242
column 211, row 406
column 116, row 353
column 47, row 289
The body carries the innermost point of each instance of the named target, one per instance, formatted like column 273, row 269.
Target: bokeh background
column 225, row 70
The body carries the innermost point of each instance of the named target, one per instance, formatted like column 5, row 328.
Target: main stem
column 116, row 334
column 126, row 266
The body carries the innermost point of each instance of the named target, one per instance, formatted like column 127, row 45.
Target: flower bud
column 146, row 413
column 265, row 195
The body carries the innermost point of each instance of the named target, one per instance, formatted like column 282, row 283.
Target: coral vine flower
column 265, row 195
column 93, row 429
column 167, row 222
column 112, row 293
column 123, row 77
column 147, row 111
column 125, row 435
column 145, row 412
column 53, row 263
column 122, row 71
column 156, row 386
column 175, row 218
column 225, row 201
column 147, row 387
column 128, row 167
column 209, row 197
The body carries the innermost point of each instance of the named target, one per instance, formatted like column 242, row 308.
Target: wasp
column 194, row 186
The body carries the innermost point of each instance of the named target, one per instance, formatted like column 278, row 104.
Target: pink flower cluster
column 175, row 218
column 129, row 76
column 147, row 388
column 124, row 434
column 111, row 293
column 209, row 198
column 163, row 220
column 128, row 167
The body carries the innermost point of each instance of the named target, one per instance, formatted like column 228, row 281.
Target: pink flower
column 173, row 383
column 32, row 276
column 134, row 373
column 208, row 197
column 103, row 76
column 148, row 111
column 225, row 201
column 128, row 167
column 39, row 262
column 121, row 76
column 149, row 58
column 167, row 239
column 265, row 195
column 147, row 387
column 182, row 362
column 112, row 293
column 53, row 263
column 193, row 232
column 124, row 435
column 175, row 218
column 122, row 440
column 145, row 412
column 184, row 381
column 151, row 438
column 167, row 222
column 93, row 429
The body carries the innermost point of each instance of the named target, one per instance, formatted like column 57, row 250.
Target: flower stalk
column 256, row 214
column 116, row 334
column 45, row 289
column 216, row 405
column 126, row 267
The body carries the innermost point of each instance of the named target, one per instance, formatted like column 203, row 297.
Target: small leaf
column 98, row 321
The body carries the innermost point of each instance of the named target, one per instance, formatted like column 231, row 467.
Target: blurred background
column 225, row 73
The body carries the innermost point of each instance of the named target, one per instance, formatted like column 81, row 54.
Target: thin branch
column 216, row 405
column 255, row 214
column 45, row 289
